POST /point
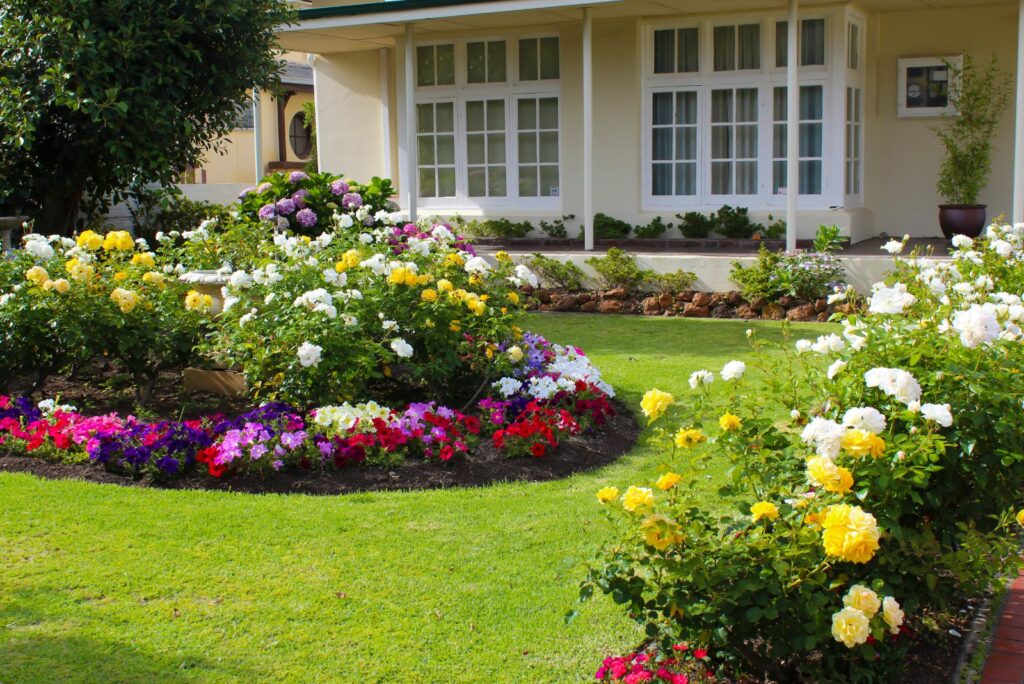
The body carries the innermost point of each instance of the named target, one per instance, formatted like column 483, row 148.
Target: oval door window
column 298, row 134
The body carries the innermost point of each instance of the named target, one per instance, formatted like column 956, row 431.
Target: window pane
column 721, row 106
column 445, row 117
column 445, row 149
column 721, row 142
column 853, row 47
column 812, row 103
column 527, row 181
column 425, row 118
column 721, row 178
column 446, row 182
column 746, row 142
column 446, row 64
column 496, row 181
column 495, row 115
column 475, row 116
column 779, row 104
column 810, row 177
column 661, row 178
column 725, row 48
column 476, row 179
column 686, row 108
column 528, row 52
column 686, row 143
column 527, row 114
column 475, row 148
column 549, row 181
column 688, row 58
column 812, row 42
column 427, row 186
column 810, row 140
column 662, row 109
column 549, row 147
column 778, row 177
column 750, row 46
column 549, row 58
column 425, row 65
column 496, row 61
column 425, row 149
column 664, row 51
column 782, row 43
column 746, row 178
column 496, row 148
column 746, row 104
column 662, row 144
column 686, row 179
column 549, row 113
column 779, row 141
column 476, row 62
column 528, row 148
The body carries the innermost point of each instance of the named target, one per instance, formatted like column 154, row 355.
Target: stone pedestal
column 7, row 226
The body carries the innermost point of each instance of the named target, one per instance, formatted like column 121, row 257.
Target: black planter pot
column 962, row 219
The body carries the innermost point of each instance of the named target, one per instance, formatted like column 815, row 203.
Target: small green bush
column 774, row 229
column 675, row 282
column 556, row 228
column 618, row 269
column 693, row 224
column 501, row 228
column 735, row 223
column 655, row 229
column 564, row 275
column 608, row 228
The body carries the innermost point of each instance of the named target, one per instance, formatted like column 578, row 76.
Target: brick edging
column 1005, row 662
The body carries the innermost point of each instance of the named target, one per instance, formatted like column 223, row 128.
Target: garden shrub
column 735, row 223
column 804, row 275
column 655, row 229
column 619, row 269
column 608, row 228
column 873, row 476
column 556, row 228
column 693, row 224
column 501, row 228
column 776, row 229
column 674, row 282
column 564, row 275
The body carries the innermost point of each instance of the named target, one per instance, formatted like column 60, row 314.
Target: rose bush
column 874, row 473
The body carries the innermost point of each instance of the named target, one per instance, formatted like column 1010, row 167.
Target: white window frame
column 854, row 78
column 510, row 91
column 830, row 77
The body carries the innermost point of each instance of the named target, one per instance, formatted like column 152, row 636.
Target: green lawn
column 106, row 584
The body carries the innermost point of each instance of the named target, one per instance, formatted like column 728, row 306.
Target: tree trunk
column 59, row 211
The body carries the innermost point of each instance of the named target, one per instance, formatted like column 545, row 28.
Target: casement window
column 714, row 112
column 853, row 143
column 488, row 128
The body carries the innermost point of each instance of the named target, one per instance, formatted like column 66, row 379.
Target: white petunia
column 507, row 386
column 401, row 347
column 733, row 370
column 938, row 413
column 309, row 354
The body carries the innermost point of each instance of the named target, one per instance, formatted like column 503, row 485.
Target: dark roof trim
column 379, row 7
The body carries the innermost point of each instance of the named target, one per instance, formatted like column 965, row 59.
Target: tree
column 97, row 96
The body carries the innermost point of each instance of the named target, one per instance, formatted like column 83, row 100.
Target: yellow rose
column 424, row 279
column 120, row 276
column 1020, row 516
column 352, row 258
column 668, row 481
column 764, row 509
column 397, row 276
column 862, row 443
column 515, row 353
column 78, row 270
column 49, row 285
column 61, row 285
column 863, row 599
column 429, row 295
column 476, row 306
column 850, row 533
column 118, row 240
column 655, row 403
column 144, row 259
column 729, row 422
column 661, row 532
column 454, row 259
column 454, row 326
column 196, row 301
column 502, row 255
column 823, row 472
column 154, row 278
column 892, row 614
column 126, row 300
column 687, row 438
column 606, row 494
column 850, row 627
column 37, row 275
column 444, row 285
column 638, row 499
column 513, row 297
column 90, row 240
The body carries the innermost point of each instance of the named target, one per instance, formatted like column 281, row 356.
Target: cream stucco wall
column 903, row 155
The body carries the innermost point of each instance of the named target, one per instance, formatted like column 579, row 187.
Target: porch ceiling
column 385, row 29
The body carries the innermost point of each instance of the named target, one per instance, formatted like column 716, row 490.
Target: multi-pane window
column 734, row 114
column 435, row 148
column 435, row 65
column 811, row 43
column 485, row 148
column 538, row 59
column 810, row 136
column 737, row 47
column 485, row 61
column 537, row 121
column 853, row 46
column 674, row 143
column 677, row 51
column 853, row 140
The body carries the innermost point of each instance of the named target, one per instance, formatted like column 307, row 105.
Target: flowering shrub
column 678, row 665
column 875, row 475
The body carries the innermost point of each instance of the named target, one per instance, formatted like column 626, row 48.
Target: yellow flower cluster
column 668, row 481
column 60, row 286
column 144, row 259
column 863, row 443
column 154, row 278
column 638, row 499
column 454, row 259
column 687, row 438
column 406, row 276
column 823, row 472
column 655, row 403
column 429, row 295
column 513, row 297
column 118, row 240
column 197, row 301
column 730, row 423
column 90, row 240
column 850, row 533
column 1020, row 517
column 515, row 353
column 126, row 300
column 661, row 532
column 852, row 625
column 37, row 275
column 349, row 259
column 78, row 270
column 606, row 494
column 474, row 302
column 764, row 509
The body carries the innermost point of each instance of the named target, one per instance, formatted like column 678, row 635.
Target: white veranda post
column 408, row 175
column 588, row 133
column 792, row 126
column 257, row 132
column 1018, row 148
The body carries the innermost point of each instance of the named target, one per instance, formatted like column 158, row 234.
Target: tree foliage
column 99, row 95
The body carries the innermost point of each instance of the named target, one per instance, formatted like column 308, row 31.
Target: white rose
column 701, row 377
column 938, row 413
column 309, row 354
column 733, row 370
column 401, row 347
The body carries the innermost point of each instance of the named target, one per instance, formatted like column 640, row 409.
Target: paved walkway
column 1005, row 664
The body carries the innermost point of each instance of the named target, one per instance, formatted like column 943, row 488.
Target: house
column 641, row 108
column 270, row 135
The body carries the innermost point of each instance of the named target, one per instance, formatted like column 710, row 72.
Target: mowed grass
column 100, row 583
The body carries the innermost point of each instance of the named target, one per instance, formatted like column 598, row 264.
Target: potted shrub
column 980, row 96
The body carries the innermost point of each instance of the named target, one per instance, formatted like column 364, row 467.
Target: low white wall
column 218, row 193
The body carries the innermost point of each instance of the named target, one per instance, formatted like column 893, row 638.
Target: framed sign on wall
column 924, row 86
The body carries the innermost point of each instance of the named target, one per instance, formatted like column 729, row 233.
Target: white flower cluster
column 559, row 375
column 348, row 417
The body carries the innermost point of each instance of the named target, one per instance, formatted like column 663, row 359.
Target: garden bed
column 644, row 244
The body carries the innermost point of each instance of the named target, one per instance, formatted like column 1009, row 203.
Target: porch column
column 257, row 132
column 588, row 132
column 408, row 177
column 385, row 109
column 793, row 126
column 1018, row 148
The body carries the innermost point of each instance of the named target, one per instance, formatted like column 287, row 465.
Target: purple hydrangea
column 306, row 218
column 339, row 187
column 263, row 187
column 297, row 177
column 300, row 198
column 246, row 192
column 285, row 206
column 268, row 211
column 352, row 200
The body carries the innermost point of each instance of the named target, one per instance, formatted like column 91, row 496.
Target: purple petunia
column 352, row 200
column 268, row 211
column 339, row 187
column 285, row 206
column 306, row 218
column 297, row 177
